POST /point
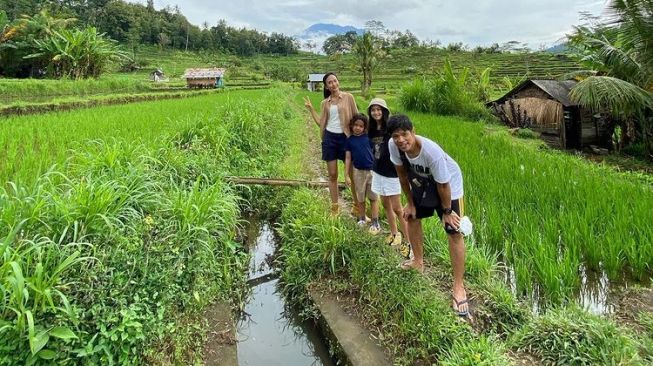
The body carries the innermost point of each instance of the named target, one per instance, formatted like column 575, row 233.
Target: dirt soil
column 220, row 345
column 631, row 305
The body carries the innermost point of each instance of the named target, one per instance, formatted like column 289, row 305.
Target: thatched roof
column 558, row 90
column 203, row 73
column 315, row 77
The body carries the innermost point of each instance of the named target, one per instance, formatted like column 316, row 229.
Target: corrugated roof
column 558, row 90
column 203, row 73
column 315, row 77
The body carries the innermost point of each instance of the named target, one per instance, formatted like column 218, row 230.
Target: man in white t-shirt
column 433, row 183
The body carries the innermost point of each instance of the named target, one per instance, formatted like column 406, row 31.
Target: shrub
column 446, row 94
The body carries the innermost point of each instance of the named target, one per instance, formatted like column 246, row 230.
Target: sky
column 473, row 22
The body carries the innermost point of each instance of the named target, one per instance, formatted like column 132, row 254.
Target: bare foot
column 412, row 264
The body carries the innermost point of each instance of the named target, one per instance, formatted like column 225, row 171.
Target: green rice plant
column 571, row 336
column 30, row 146
column 539, row 209
column 35, row 90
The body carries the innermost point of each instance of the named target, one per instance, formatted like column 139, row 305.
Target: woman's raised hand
column 308, row 104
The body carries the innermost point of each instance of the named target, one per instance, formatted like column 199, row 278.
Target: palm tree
column 619, row 57
column 43, row 24
column 368, row 52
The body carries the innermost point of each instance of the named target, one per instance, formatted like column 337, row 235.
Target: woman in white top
column 336, row 109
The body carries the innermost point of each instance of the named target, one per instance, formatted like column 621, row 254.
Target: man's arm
column 444, row 191
column 409, row 210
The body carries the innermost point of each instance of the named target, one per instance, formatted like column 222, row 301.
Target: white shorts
column 384, row 186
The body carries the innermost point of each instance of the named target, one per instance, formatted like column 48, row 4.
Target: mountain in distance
column 332, row 29
column 559, row 48
column 316, row 34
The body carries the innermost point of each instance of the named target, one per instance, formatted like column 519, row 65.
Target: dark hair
column 385, row 114
column 362, row 117
column 399, row 122
column 327, row 92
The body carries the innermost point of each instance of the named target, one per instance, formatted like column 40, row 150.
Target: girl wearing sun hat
column 385, row 181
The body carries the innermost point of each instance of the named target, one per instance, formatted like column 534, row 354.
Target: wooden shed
column 204, row 78
column 157, row 75
column 545, row 106
column 314, row 81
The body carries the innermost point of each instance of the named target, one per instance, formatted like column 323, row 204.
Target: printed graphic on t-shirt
column 378, row 142
column 433, row 162
column 422, row 171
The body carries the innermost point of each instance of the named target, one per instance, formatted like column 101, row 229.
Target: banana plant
column 78, row 53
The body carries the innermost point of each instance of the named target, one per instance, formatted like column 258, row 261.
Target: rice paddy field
column 117, row 228
column 258, row 72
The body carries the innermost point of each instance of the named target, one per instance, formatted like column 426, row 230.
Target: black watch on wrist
column 448, row 211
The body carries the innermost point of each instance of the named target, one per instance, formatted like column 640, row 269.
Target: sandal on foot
column 458, row 303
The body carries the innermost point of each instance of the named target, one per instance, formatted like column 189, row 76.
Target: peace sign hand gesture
column 308, row 104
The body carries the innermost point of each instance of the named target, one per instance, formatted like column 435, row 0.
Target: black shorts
column 424, row 212
column 333, row 146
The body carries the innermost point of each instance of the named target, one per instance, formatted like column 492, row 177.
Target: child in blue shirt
column 359, row 152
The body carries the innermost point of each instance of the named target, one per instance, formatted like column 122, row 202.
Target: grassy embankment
column 110, row 257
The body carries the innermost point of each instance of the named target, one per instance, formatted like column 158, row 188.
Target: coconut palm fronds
column 616, row 95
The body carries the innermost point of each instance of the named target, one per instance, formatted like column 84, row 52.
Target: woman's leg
column 395, row 202
column 332, row 169
column 390, row 214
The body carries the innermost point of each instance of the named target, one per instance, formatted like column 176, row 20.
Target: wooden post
column 281, row 182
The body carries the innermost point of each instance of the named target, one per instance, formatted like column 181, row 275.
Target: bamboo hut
column 204, row 78
column 544, row 106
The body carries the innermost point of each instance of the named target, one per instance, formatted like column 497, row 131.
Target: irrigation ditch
column 273, row 328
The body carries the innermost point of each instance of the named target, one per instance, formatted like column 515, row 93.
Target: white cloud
column 471, row 22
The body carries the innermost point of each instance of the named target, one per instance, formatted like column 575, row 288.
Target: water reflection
column 596, row 293
column 268, row 333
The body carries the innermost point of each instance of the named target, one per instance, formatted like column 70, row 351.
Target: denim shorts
column 333, row 146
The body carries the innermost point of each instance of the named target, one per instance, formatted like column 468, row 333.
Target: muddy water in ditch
column 597, row 294
column 269, row 333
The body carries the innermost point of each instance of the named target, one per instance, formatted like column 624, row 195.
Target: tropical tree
column 4, row 28
column 78, row 53
column 368, row 54
column 618, row 56
column 340, row 43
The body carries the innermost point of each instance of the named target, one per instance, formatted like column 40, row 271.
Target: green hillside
column 397, row 68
